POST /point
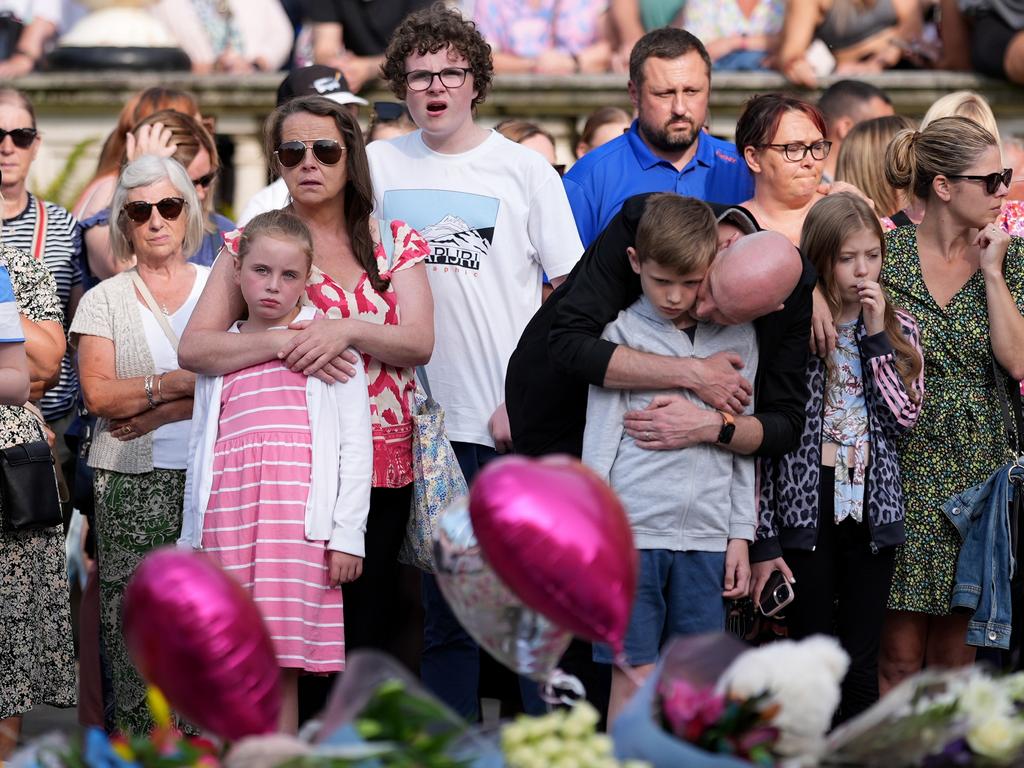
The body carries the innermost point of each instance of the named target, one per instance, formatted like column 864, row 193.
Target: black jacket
column 561, row 351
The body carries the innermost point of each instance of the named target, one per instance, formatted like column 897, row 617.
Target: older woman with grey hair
column 127, row 329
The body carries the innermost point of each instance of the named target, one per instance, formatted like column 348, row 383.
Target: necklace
column 164, row 309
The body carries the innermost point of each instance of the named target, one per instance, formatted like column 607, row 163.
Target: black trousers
column 841, row 589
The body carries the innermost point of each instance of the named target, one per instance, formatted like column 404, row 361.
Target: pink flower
column 689, row 711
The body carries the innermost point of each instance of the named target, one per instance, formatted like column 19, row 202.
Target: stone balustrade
column 73, row 107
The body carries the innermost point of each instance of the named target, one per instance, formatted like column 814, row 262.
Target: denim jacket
column 982, row 517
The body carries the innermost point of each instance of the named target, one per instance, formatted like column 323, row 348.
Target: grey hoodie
column 683, row 500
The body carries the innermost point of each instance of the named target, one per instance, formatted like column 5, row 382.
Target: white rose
column 998, row 738
column 983, row 699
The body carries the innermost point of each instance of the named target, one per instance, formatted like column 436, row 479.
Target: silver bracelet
column 149, row 391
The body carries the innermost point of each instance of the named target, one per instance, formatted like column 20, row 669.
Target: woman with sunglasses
column 962, row 277
column 127, row 330
column 782, row 139
column 370, row 280
column 172, row 134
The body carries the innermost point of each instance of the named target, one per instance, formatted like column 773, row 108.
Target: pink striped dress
column 255, row 522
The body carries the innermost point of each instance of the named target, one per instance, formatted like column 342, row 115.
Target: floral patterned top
column 1011, row 220
column 391, row 388
column 713, row 19
column 530, row 28
column 845, row 423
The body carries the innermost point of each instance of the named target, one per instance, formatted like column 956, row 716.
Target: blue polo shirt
column 601, row 181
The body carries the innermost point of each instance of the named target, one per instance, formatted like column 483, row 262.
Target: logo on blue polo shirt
column 458, row 225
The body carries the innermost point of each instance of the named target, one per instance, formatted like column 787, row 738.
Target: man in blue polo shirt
column 665, row 150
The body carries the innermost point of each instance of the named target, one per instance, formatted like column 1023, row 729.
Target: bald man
column 561, row 351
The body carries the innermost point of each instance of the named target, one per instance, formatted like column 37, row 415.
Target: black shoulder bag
column 29, row 499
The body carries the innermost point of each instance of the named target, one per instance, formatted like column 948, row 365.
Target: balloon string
column 623, row 664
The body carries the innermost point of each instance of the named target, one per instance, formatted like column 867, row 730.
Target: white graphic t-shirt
column 496, row 218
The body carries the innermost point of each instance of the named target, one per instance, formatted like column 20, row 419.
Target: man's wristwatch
column 728, row 428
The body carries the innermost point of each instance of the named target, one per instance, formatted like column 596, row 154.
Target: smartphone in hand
column 776, row 594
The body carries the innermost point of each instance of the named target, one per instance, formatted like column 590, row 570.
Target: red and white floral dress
column 391, row 388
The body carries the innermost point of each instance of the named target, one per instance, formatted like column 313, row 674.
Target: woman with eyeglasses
column 962, row 277
column 127, row 330
column 369, row 279
column 782, row 140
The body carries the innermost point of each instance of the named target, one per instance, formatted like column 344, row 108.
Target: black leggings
column 841, row 589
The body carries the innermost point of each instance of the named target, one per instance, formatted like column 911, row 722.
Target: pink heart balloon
column 558, row 537
column 195, row 634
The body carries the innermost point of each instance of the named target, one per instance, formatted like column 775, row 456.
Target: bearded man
column 667, row 148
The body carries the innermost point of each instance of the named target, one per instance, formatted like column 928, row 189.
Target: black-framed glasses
column 22, row 137
column 326, row 152
column 992, row 180
column 206, row 180
column 450, row 77
column 169, row 209
column 794, row 152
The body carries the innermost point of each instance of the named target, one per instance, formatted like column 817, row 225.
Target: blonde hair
column 281, row 225
column 676, row 232
column 862, row 161
column 947, row 146
column 829, row 223
column 964, row 104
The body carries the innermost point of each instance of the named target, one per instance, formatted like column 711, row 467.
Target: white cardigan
column 339, row 494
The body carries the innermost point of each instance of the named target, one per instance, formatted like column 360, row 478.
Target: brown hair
column 18, row 99
column 189, row 136
column 676, row 232
column 138, row 107
column 602, row 117
column 947, row 146
column 664, row 43
column 829, row 223
column 761, row 116
column 429, row 31
column 357, row 197
column 521, row 130
column 862, row 161
column 279, row 224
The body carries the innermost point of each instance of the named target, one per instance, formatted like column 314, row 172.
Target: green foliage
column 57, row 191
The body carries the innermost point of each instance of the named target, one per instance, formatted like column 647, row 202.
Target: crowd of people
column 805, row 40
column 785, row 354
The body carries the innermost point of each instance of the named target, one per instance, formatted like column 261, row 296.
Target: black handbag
column 29, row 498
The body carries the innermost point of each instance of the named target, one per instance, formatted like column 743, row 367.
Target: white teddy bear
column 803, row 679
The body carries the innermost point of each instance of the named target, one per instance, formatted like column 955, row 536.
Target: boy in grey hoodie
column 685, row 506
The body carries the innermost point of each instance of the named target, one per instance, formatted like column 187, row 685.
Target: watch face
column 725, row 436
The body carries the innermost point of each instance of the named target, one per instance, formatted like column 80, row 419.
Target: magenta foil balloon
column 194, row 633
column 558, row 537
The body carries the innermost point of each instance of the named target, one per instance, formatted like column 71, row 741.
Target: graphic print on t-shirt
column 458, row 225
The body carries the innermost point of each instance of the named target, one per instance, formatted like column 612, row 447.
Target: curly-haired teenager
column 496, row 216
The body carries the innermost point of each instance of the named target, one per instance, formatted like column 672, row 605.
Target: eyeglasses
column 794, row 152
column 169, row 208
column 450, row 77
column 326, row 152
column 992, row 180
column 22, row 137
column 205, row 181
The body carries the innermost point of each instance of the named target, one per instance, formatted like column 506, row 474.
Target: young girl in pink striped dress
column 278, row 484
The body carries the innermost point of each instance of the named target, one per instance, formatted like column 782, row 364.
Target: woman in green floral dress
column 37, row 660
column 963, row 279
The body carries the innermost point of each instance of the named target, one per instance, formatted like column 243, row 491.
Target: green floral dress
column 960, row 438
column 37, row 661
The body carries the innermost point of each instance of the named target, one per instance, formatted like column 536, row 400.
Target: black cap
column 317, row 80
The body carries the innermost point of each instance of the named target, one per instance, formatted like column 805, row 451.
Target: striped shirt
column 61, row 254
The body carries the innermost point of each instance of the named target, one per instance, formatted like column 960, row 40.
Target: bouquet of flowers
column 938, row 719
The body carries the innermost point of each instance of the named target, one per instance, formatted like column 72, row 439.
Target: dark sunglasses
column 205, row 181
column 22, row 137
column 992, row 180
column 169, row 209
column 326, row 152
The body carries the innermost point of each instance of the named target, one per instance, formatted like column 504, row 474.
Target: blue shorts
column 677, row 593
